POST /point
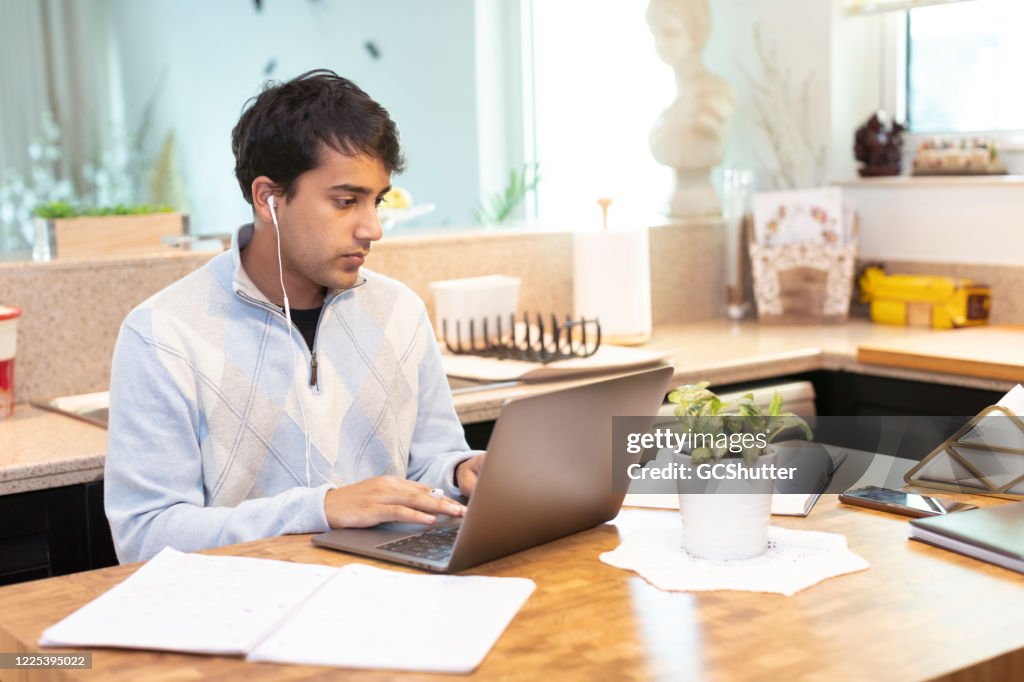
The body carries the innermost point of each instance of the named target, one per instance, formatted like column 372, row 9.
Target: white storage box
column 458, row 301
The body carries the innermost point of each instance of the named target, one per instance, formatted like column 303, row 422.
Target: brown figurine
column 879, row 149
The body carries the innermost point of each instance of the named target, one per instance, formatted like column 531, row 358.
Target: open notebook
column 783, row 504
column 356, row 616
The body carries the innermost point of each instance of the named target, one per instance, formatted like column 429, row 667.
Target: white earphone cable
column 291, row 337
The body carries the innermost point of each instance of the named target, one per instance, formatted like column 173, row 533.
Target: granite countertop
column 42, row 449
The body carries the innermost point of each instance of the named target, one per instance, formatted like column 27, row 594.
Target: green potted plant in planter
column 65, row 231
column 725, row 509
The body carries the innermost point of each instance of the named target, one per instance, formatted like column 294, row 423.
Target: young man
column 228, row 423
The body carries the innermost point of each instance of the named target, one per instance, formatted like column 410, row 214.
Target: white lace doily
column 795, row 560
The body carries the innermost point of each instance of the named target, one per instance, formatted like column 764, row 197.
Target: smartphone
column 899, row 502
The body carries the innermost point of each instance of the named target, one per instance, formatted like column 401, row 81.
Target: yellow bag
column 924, row 300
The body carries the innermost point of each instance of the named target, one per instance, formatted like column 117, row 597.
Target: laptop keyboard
column 435, row 544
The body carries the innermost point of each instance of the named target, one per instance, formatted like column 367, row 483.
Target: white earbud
column 271, row 202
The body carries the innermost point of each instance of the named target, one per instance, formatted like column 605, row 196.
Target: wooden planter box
column 91, row 237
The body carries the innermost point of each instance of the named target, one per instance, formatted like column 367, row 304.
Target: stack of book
column 992, row 534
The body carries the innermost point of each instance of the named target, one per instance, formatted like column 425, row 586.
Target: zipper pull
column 312, row 371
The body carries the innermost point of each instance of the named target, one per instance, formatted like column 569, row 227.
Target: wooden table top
column 917, row 613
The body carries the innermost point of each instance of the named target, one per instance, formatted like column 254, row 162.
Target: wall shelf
column 921, row 181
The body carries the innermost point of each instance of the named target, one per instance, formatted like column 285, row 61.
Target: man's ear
column 262, row 189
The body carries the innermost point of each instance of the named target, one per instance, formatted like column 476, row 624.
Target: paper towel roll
column 612, row 282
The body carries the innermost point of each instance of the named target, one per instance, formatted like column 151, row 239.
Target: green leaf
column 785, row 422
column 750, row 455
column 500, row 205
column 62, row 209
column 56, row 209
column 704, row 412
column 701, row 455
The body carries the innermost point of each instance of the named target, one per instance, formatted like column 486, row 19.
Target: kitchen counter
column 724, row 352
column 40, row 449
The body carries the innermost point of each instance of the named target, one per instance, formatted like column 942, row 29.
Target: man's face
column 331, row 220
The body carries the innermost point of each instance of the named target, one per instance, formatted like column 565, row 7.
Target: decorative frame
column 837, row 262
column 985, row 485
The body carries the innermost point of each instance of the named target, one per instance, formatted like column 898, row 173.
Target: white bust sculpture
column 689, row 136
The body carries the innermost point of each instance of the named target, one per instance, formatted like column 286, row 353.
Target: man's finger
column 469, row 482
column 420, row 501
column 398, row 512
column 443, row 505
column 418, row 497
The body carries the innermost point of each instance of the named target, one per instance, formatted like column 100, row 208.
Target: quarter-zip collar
column 244, row 287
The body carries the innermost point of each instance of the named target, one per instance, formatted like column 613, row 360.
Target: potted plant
column 64, row 231
column 726, row 509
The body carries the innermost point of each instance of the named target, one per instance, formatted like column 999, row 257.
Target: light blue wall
column 213, row 55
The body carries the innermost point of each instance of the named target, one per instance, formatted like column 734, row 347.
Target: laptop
column 548, row 474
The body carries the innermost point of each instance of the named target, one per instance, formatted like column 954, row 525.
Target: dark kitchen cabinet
column 52, row 532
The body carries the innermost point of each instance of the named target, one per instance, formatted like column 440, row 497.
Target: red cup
column 8, row 345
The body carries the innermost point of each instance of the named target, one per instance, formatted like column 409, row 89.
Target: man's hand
column 385, row 498
column 467, row 472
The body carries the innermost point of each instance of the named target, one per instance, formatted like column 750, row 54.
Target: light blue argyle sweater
column 206, row 443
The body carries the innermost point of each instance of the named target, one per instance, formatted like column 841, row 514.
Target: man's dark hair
column 281, row 131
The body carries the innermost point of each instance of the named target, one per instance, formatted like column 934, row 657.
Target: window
column 598, row 88
column 965, row 65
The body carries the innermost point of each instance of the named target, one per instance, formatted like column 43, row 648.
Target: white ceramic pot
column 729, row 521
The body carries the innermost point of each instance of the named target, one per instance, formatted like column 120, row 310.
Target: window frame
column 1012, row 140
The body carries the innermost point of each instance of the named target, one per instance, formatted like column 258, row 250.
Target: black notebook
column 993, row 534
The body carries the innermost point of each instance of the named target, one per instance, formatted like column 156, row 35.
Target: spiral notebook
column 356, row 616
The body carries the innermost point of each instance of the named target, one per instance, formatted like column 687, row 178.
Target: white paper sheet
column 815, row 216
column 366, row 617
column 783, row 504
column 1014, row 400
column 607, row 359
column 357, row 616
column 192, row 602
